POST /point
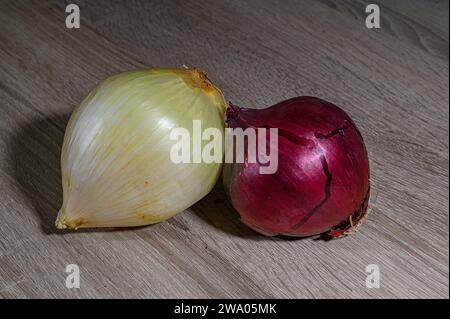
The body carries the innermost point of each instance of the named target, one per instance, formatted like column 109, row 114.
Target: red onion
column 322, row 181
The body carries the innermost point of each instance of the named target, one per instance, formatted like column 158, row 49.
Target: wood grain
column 392, row 81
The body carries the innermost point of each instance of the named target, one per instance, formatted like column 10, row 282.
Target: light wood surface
column 392, row 81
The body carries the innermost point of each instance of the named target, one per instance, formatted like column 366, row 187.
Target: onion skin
column 322, row 182
column 115, row 161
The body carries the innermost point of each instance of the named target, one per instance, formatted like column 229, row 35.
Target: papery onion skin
column 115, row 162
column 322, row 182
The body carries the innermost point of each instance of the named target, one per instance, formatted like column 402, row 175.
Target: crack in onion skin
column 322, row 182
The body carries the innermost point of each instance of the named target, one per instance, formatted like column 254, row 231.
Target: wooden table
column 393, row 81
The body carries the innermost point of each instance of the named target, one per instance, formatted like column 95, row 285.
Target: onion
column 115, row 162
column 322, row 181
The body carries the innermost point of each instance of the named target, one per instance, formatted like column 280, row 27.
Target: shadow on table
column 216, row 210
column 34, row 156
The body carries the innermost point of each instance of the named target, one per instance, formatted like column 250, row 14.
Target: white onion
column 116, row 167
